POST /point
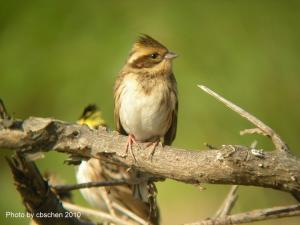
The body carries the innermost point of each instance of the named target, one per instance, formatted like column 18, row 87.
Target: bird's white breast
column 144, row 115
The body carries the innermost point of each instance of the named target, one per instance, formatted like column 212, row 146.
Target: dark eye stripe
column 144, row 62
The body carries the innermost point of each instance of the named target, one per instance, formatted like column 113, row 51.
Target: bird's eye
column 154, row 55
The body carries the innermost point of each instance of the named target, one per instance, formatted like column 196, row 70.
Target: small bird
column 146, row 102
column 145, row 94
column 104, row 198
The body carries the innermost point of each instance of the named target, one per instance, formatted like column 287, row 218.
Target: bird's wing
column 171, row 133
column 117, row 95
column 146, row 210
column 123, row 194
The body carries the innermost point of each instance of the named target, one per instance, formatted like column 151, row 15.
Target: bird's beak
column 170, row 55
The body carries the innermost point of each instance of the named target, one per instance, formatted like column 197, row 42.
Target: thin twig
column 95, row 213
column 253, row 131
column 107, row 201
column 277, row 141
column 253, row 144
column 64, row 188
column 251, row 216
column 228, row 203
column 3, row 111
column 209, row 146
column 129, row 213
column 72, row 187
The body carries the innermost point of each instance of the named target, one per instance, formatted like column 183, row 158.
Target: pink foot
column 154, row 145
column 130, row 141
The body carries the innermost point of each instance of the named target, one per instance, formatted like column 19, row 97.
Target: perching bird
column 145, row 93
column 145, row 96
column 98, row 170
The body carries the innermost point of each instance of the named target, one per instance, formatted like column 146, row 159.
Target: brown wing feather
column 105, row 171
column 140, row 208
column 171, row 133
column 117, row 93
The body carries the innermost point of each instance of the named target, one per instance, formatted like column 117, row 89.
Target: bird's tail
column 146, row 192
column 140, row 191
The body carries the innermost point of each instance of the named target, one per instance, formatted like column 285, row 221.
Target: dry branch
column 95, row 213
column 252, row 216
column 264, row 129
column 228, row 203
column 38, row 199
column 129, row 214
column 261, row 128
column 228, row 165
column 72, row 187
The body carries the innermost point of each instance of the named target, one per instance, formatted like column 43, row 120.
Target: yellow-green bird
column 92, row 117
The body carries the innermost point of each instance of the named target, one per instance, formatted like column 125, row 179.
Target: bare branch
column 253, row 144
column 37, row 196
column 100, row 216
column 129, row 214
column 39, row 199
column 229, row 165
column 228, row 203
column 209, row 146
column 268, row 131
column 3, row 111
column 253, row 131
column 252, row 216
column 72, row 187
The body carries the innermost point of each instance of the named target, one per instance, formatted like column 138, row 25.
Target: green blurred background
column 58, row 56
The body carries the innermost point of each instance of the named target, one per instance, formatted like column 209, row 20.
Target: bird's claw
column 154, row 145
column 130, row 141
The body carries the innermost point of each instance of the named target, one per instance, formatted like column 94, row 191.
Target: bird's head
column 92, row 117
column 149, row 55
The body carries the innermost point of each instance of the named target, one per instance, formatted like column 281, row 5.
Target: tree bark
column 231, row 164
column 40, row 201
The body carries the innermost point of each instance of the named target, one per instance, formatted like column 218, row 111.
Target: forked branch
column 228, row 203
column 252, row 216
column 263, row 128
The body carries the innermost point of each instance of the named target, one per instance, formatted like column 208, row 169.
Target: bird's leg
column 153, row 147
column 130, row 141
